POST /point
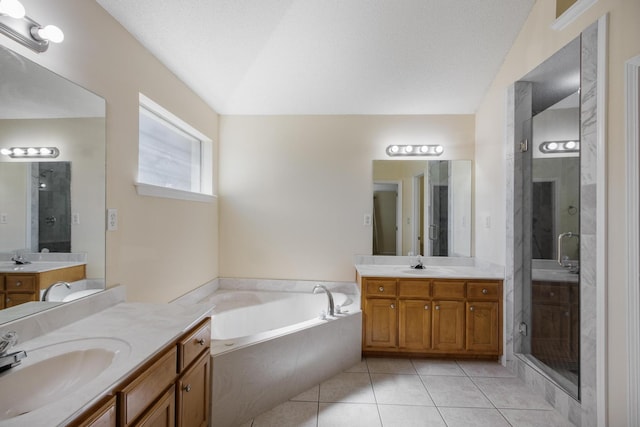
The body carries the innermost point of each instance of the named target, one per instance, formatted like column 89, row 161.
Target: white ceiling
column 329, row 56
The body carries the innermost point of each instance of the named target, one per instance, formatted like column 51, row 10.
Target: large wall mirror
column 422, row 207
column 51, row 205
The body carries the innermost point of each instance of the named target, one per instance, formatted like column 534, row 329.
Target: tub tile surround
column 517, row 270
column 144, row 328
column 486, row 394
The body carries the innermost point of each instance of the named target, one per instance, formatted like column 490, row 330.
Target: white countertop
column 36, row 266
column 145, row 328
column 431, row 271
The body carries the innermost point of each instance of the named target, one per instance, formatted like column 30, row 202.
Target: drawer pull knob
column 426, row 307
column 393, row 306
column 471, row 308
column 200, row 341
column 381, row 288
column 485, row 291
column 437, row 307
column 552, row 294
column 187, row 388
column 18, row 283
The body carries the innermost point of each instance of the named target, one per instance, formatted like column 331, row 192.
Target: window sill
column 172, row 193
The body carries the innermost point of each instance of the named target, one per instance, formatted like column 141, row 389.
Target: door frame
column 398, row 185
column 632, row 125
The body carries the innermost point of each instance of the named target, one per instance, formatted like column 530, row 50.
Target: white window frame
column 206, row 159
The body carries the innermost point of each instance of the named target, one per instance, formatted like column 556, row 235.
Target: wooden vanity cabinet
column 172, row 389
column 431, row 316
column 19, row 288
column 102, row 414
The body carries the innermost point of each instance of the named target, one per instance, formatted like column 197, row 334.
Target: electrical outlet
column 75, row 218
column 112, row 219
column 4, row 218
column 367, row 219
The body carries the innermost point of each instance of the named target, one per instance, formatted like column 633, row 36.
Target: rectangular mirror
column 422, row 207
column 54, row 205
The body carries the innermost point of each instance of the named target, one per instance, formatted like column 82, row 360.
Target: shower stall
column 549, row 200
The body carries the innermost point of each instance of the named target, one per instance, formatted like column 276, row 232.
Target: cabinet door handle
column 187, row 388
column 471, row 308
column 485, row 291
column 200, row 341
column 393, row 306
column 426, row 307
column 437, row 307
column 381, row 288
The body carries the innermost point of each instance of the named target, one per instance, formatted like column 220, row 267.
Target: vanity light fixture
column 15, row 25
column 414, row 150
column 31, row 152
column 549, row 147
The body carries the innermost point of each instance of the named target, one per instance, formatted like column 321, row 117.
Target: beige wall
column 535, row 43
column 294, row 190
column 159, row 241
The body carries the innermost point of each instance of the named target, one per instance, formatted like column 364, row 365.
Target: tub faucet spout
column 45, row 295
column 323, row 288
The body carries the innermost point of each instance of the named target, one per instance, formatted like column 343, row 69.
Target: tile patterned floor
column 386, row 392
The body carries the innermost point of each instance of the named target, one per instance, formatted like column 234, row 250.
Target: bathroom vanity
column 101, row 362
column 22, row 283
column 439, row 311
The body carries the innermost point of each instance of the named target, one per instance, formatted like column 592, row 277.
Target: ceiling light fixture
column 30, row 152
column 414, row 150
column 549, row 147
column 15, row 25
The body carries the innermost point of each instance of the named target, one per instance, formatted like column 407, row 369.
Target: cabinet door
column 12, row 299
column 101, row 415
column 381, row 324
column 193, row 394
column 551, row 332
column 415, row 324
column 162, row 413
column 482, row 326
column 448, row 325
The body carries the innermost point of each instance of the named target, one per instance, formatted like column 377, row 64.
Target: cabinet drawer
column 16, row 298
column 20, row 283
column 377, row 287
column 414, row 288
column 480, row 290
column 550, row 294
column 449, row 289
column 191, row 346
column 145, row 389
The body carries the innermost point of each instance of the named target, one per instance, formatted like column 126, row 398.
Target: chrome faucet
column 45, row 295
column 19, row 259
column 564, row 261
column 10, row 360
column 419, row 265
column 324, row 288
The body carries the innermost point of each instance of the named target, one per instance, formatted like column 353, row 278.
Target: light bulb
column 424, row 149
column 408, row 148
column 439, row 149
column 12, row 8
column 552, row 146
column 50, row 33
column 394, row 149
column 570, row 145
column 45, row 151
column 5, row 151
column 18, row 152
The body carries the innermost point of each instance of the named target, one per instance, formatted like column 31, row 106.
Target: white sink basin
column 54, row 371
